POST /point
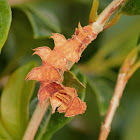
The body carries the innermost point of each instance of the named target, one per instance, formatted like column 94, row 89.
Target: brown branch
column 35, row 121
column 113, row 21
column 130, row 65
column 105, row 15
column 121, row 83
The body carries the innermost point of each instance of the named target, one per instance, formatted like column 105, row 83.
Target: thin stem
column 133, row 69
column 105, row 129
column 35, row 121
column 113, row 21
column 105, row 15
column 93, row 12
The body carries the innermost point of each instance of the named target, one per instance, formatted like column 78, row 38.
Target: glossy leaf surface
column 14, row 102
column 103, row 90
column 131, row 7
column 5, row 21
column 43, row 21
column 53, row 122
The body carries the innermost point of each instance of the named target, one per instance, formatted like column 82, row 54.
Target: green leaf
column 20, row 42
column 131, row 7
column 5, row 21
column 43, row 21
column 103, row 89
column 14, row 101
column 71, row 81
column 132, row 127
column 92, row 116
column 53, row 122
column 3, row 133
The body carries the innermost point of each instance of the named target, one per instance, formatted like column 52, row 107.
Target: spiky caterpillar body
column 54, row 63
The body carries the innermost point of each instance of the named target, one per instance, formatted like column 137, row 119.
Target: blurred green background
column 32, row 24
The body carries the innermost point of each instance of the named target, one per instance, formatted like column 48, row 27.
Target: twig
column 105, row 15
column 35, row 121
column 133, row 69
column 93, row 13
column 121, row 82
column 130, row 65
column 113, row 21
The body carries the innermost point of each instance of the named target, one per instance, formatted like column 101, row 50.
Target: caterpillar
column 54, row 64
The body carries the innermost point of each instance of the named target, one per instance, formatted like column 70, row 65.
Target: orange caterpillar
column 54, row 63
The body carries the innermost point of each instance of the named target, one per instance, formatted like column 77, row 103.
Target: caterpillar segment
column 54, row 64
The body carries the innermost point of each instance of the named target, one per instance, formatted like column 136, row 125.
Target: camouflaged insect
column 54, row 64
